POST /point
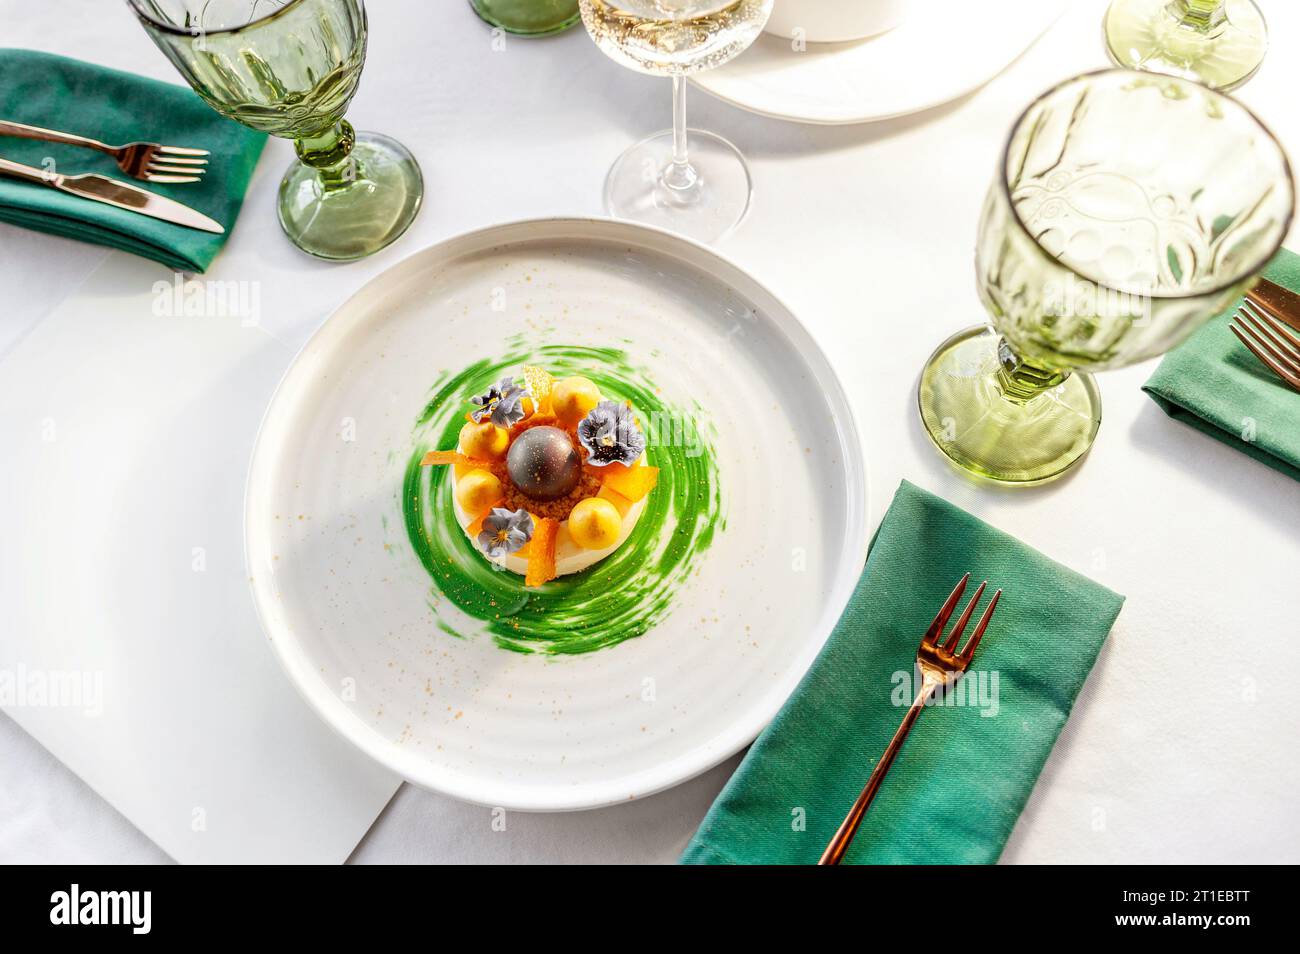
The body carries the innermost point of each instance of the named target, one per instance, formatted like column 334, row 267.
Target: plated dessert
column 549, row 476
column 556, row 499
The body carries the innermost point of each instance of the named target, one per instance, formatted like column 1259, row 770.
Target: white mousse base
column 569, row 557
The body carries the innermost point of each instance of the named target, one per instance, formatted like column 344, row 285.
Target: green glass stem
column 350, row 194
column 330, row 153
column 1219, row 43
column 977, row 402
column 1200, row 15
column 1021, row 380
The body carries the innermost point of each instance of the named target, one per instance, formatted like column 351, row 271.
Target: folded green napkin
column 40, row 89
column 1218, row 387
column 965, row 772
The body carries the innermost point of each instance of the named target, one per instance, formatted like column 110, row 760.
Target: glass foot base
column 983, row 433
column 1149, row 35
column 635, row 187
column 369, row 212
column 528, row 17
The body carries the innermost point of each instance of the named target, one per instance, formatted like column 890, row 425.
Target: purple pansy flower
column 505, row 531
column 503, row 403
column 610, row 436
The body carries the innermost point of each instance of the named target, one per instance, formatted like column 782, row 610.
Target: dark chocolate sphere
column 543, row 463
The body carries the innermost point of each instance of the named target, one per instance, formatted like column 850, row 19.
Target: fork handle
column 849, row 827
column 23, row 131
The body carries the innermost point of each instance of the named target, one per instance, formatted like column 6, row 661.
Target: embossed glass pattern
column 290, row 68
column 1129, row 208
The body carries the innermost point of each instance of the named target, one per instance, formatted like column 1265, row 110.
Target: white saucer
column 933, row 57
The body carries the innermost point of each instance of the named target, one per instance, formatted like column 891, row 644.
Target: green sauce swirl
column 622, row 596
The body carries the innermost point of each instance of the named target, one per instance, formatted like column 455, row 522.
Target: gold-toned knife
column 111, row 192
column 1278, row 301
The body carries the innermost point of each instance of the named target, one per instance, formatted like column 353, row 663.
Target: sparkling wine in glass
column 692, row 181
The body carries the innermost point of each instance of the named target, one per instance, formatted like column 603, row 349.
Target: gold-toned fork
column 168, row 165
column 941, row 665
column 1265, row 334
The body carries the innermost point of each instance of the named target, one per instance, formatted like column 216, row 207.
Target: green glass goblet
column 1127, row 210
column 528, row 17
column 290, row 68
column 1216, row 42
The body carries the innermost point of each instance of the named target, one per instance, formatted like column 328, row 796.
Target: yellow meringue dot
column 595, row 524
column 478, row 490
column 573, row 398
column 483, row 441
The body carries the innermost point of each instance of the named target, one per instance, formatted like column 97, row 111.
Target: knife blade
column 99, row 188
column 1282, row 303
column 103, row 189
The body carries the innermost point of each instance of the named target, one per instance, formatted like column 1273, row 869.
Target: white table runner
column 868, row 233
column 131, row 649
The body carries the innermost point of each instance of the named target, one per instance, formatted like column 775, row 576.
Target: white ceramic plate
column 352, row 612
column 943, row 50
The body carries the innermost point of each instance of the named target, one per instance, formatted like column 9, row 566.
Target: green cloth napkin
column 41, row 89
column 965, row 772
column 1218, row 387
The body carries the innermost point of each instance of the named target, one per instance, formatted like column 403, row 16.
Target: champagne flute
column 696, row 183
column 1216, row 42
column 290, row 68
column 1127, row 210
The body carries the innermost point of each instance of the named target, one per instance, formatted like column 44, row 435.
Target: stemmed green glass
column 1216, row 42
column 290, row 68
column 1127, row 210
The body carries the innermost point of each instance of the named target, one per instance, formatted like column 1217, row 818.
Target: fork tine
column 174, row 170
column 1273, row 330
column 945, row 611
column 1274, row 321
column 180, row 160
column 968, row 651
column 1249, row 325
column 1261, row 305
column 182, row 151
column 1281, row 372
column 170, row 180
column 962, row 620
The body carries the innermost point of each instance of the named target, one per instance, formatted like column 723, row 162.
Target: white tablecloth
column 1181, row 747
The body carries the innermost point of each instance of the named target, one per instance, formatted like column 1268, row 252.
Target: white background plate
column 943, row 50
column 346, row 603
